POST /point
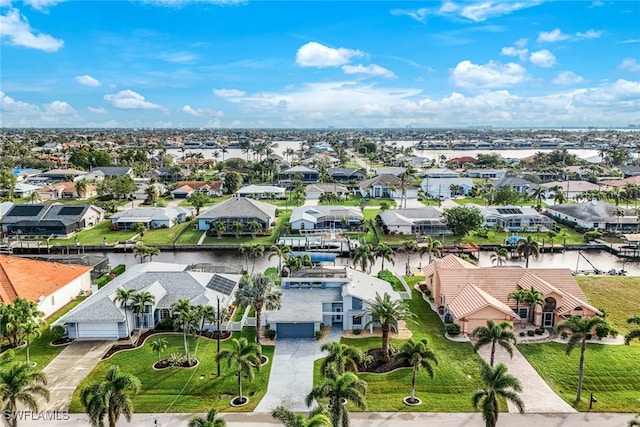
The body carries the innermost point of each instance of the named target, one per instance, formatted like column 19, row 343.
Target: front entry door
column 547, row 319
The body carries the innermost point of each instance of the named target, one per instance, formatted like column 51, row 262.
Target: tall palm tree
column 20, row 383
column 430, row 247
column 410, row 247
column 210, row 420
column 186, row 321
column 244, row 355
column 203, row 314
column 158, row 345
column 497, row 384
column 123, row 297
column 519, row 296
column 337, row 389
column 139, row 301
column 418, row 355
column 280, row 252
column 581, row 328
column 501, row 334
column 539, row 194
column 499, row 256
column 387, row 313
column 341, row 358
column 255, row 227
column 31, row 330
column 385, row 253
column 618, row 213
column 533, row 297
column 364, row 255
column 316, row 418
column 635, row 333
column 260, row 292
column 527, row 248
column 237, row 228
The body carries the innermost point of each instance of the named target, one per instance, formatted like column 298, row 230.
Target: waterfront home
column 186, row 188
column 238, row 209
column 314, row 191
column 347, row 174
column 571, row 189
column 445, row 188
column 66, row 190
column 114, row 171
column 320, row 159
column 262, row 192
column 4, row 208
column 150, row 217
column 56, row 175
column 521, row 185
column 326, row 218
column 22, row 189
column 486, row 173
column 395, row 171
column 469, row 296
column 301, row 173
column 440, row 173
column 515, row 218
column 459, row 162
column 100, row 317
column 165, row 173
column 329, row 296
column 595, row 214
column 418, row 221
column 51, row 285
column 46, row 220
column 386, row 186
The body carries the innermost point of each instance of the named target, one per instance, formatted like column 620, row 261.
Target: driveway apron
column 291, row 376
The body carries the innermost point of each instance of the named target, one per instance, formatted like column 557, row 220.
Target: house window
column 53, row 300
column 357, row 320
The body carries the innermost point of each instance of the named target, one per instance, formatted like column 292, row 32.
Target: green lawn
column 94, row 235
column 456, row 375
column 182, row 390
column 482, row 202
column 189, row 236
column 166, row 236
column 619, row 297
column 212, row 201
column 357, row 200
column 498, row 237
column 282, row 222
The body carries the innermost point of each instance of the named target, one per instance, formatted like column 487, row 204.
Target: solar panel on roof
column 25, row 210
column 509, row 211
column 221, row 284
column 71, row 210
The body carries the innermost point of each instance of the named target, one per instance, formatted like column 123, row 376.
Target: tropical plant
column 533, row 297
column 341, row 358
column 410, row 247
column 220, row 227
column 527, row 248
column 501, row 334
column 30, row 330
column 499, row 256
column 255, row 227
column 559, row 197
column 20, row 383
column 635, row 333
column 387, row 313
column 618, row 213
column 109, row 397
column 244, row 355
column 519, row 296
column 237, row 228
column 122, row 298
column 385, row 253
column 198, row 200
column 338, row 389
column 497, row 384
column 365, row 256
column 317, row 418
column 430, row 247
column 258, row 291
column 158, row 345
column 210, row 420
column 419, row 356
column 186, row 321
column 139, row 301
column 203, row 314
column 280, row 252
column 581, row 329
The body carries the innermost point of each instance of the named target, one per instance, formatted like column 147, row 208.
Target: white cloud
column 370, row 70
column 596, row 3
column 314, row 54
column 629, row 64
column 8, row 104
column 179, row 57
column 589, row 34
column 543, row 58
column 59, row 107
column 201, row 112
column 567, row 78
column 520, row 43
column 42, row 5
column 514, row 51
column 15, row 28
column 229, row 93
column 488, row 76
column 419, row 15
column 477, row 11
column 129, row 100
column 552, row 36
column 87, row 80
column 97, row 110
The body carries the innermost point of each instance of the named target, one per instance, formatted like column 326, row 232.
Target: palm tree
column 339, row 389
column 418, row 355
column 539, row 194
column 518, row 296
column 245, row 356
column 316, row 418
column 186, row 321
column 260, row 292
column 237, row 228
column 619, row 213
column 501, row 334
column 341, row 358
column 109, row 397
column 34, row 197
column 255, row 228
column 635, row 333
column 430, row 247
column 527, row 248
column 158, row 345
column 139, row 301
column 203, row 313
column 220, row 227
column 31, row 330
column 81, row 187
column 210, row 420
column 20, row 383
column 497, row 384
column 410, row 247
column 533, row 297
column 280, row 252
column 387, row 313
column 253, row 251
column 499, row 256
column 123, row 297
column 384, row 252
column 559, row 197
column 364, row 255
column 581, row 329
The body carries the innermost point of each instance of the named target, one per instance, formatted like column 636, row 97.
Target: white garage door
column 97, row 331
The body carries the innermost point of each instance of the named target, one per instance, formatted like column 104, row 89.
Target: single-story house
column 326, row 217
column 55, row 175
column 486, row 173
column 571, row 189
column 4, row 208
column 469, row 296
column 347, row 174
column 521, row 185
column 165, row 173
column 51, row 285
column 301, row 173
column 595, row 214
column 386, row 186
column 440, row 188
column 22, row 189
column 329, row 296
column 46, row 220
column 99, row 317
column 418, row 221
column 66, row 190
column 634, row 179
column 391, row 170
column 262, row 192
column 142, row 192
column 515, row 218
column 238, row 209
column 460, row 161
column 151, row 217
column 314, row 191
column 114, row 171
column 318, row 159
column 440, row 173
column 185, row 188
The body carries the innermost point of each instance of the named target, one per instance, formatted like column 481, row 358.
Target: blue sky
column 306, row 64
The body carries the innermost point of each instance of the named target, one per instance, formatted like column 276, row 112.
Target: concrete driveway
column 291, row 376
column 68, row 369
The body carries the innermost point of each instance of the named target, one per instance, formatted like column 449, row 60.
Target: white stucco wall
column 58, row 299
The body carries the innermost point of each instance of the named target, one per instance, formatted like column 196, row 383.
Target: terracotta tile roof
column 472, row 299
column 30, row 279
column 448, row 262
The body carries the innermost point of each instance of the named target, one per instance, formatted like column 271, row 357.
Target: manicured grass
column 165, row 236
column 182, row 390
column 211, row 202
column 94, row 235
column 619, row 297
column 282, row 222
column 357, row 201
column 456, row 375
column 611, row 374
column 189, row 236
column 498, row 237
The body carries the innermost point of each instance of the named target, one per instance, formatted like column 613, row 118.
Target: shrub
column 118, row 269
column 522, row 334
column 530, row 333
column 452, row 329
column 539, row 331
column 357, row 331
column 318, row 335
column 57, row 332
column 564, row 335
column 602, row 331
column 270, row 334
column 166, row 324
column 102, row 280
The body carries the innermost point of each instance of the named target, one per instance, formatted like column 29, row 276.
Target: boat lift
column 596, row 270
